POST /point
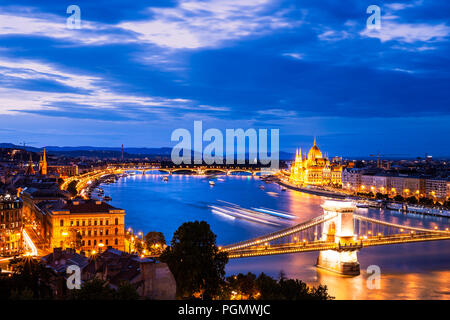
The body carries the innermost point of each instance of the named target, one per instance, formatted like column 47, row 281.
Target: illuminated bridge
column 337, row 234
column 201, row 170
column 84, row 179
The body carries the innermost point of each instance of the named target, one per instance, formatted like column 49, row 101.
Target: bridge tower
column 339, row 230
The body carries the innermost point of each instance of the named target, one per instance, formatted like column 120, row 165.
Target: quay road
column 86, row 178
column 35, row 247
column 38, row 247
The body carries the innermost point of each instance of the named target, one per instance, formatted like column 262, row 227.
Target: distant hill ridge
column 110, row 151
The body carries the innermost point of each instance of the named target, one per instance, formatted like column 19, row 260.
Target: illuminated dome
column 315, row 152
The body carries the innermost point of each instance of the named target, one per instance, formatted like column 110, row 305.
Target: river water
column 408, row 271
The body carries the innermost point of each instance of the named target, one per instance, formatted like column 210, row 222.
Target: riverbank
column 384, row 204
column 316, row 192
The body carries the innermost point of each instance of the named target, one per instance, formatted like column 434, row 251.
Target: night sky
column 137, row 70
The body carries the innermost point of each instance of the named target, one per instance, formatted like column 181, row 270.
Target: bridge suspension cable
column 394, row 225
column 281, row 233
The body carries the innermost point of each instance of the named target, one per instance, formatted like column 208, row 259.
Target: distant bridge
column 200, row 170
column 84, row 179
column 337, row 234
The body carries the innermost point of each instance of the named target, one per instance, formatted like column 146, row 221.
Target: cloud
column 28, row 22
column 408, row 32
column 28, row 69
column 199, row 24
column 294, row 55
column 334, row 35
column 402, row 6
column 85, row 95
column 398, row 28
column 189, row 25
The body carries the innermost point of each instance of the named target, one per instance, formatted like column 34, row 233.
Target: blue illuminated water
column 410, row 271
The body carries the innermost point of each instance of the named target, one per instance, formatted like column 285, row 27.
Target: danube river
column 408, row 271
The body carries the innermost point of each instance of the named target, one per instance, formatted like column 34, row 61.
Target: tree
column 138, row 247
column 72, row 188
column 30, row 275
column 95, row 289
column 126, row 291
column 289, row 289
column 268, row 287
column 155, row 242
column 320, row 293
column 195, row 261
column 426, row 201
column 243, row 285
column 380, row 196
column 412, row 200
column 399, row 198
column 25, row 294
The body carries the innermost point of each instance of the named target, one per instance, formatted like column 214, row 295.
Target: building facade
column 354, row 180
column 381, row 183
column 407, row 186
column 351, row 179
column 315, row 169
column 437, row 188
column 86, row 225
column 11, row 225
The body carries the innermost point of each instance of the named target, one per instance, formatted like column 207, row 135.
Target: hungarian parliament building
column 315, row 169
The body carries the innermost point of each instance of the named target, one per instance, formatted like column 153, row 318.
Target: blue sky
column 137, row 70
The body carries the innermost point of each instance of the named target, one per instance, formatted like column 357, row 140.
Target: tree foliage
column 265, row 287
column 412, row 200
column 195, row 261
column 29, row 280
column 126, row 291
column 72, row 188
column 138, row 247
column 95, row 289
column 155, row 242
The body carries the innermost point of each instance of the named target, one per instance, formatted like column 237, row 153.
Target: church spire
column 44, row 164
column 30, row 170
column 315, row 144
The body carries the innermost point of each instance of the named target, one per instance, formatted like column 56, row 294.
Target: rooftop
column 83, row 206
column 117, row 266
column 60, row 259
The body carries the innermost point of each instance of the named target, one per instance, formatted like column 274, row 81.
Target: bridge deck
column 255, row 251
column 279, row 234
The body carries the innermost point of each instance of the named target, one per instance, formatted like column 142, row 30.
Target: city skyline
column 132, row 74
